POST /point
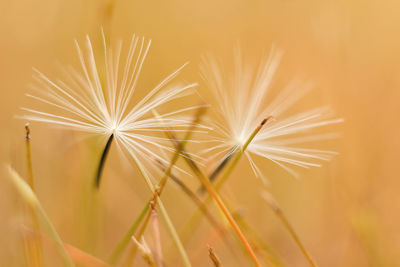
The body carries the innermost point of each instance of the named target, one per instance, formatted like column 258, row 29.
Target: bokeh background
column 346, row 213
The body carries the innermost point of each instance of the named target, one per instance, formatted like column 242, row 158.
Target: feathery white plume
column 100, row 99
column 241, row 97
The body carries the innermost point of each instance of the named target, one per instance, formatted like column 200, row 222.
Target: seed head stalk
column 278, row 211
column 228, row 171
column 164, row 212
column 102, row 161
column 115, row 255
column 214, row 193
column 239, row 154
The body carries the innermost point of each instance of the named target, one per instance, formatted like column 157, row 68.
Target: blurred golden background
column 346, row 213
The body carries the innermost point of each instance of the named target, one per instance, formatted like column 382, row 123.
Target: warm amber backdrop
column 347, row 213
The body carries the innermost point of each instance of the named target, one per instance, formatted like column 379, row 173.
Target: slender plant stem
column 139, row 235
column 196, row 200
column 170, row 225
column 54, row 235
column 219, row 168
column 231, row 167
column 127, row 237
column 115, row 255
column 29, row 157
column 195, row 217
column 213, row 193
column 35, row 244
column 270, row 256
column 239, row 154
column 213, row 257
column 102, row 161
column 31, row 199
column 278, row 211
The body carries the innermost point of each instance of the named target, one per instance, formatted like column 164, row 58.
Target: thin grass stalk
column 115, row 255
column 255, row 238
column 164, row 212
column 203, row 208
column 36, row 246
column 54, row 235
column 213, row 257
column 213, row 193
column 29, row 157
column 239, row 154
column 196, row 216
column 127, row 237
column 31, row 199
column 255, row 241
column 278, row 211
column 132, row 253
column 195, row 199
column 140, row 233
column 219, row 228
column 219, row 168
column 156, row 234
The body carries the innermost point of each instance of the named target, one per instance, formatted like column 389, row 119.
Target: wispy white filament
column 244, row 98
column 100, row 98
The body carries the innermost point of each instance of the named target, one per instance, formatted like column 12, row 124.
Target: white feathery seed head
column 243, row 97
column 100, row 98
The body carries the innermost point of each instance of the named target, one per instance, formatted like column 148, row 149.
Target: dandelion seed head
column 244, row 98
column 100, row 98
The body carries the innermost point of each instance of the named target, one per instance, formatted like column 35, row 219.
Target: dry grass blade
column 277, row 210
column 213, row 257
